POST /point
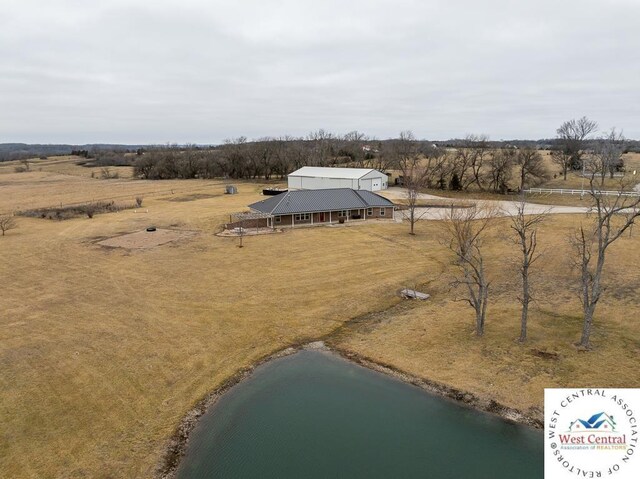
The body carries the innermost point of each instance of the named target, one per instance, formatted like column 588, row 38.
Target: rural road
column 501, row 208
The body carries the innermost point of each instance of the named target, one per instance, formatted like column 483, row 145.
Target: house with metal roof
column 318, row 178
column 313, row 207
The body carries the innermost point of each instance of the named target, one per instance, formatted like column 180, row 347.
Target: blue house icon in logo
column 600, row 422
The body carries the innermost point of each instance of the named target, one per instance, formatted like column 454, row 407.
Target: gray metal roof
column 309, row 201
column 326, row 172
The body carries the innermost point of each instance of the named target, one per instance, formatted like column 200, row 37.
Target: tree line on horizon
column 18, row 151
column 472, row 162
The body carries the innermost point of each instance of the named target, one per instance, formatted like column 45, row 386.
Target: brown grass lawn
column 103, row 350
column 435, row 339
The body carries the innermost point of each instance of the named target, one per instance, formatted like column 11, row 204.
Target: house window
column 369, row 211
column 343, row 213
column 302, row 217
column 278, row 219
column 381, row 211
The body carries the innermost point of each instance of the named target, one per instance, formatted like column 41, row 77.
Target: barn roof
column 309, row 201
column 323, row 172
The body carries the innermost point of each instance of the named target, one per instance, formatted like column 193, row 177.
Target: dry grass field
column 67, row 165
column 103, row 349
column 435, row 339
column 66, row 183
column 574, row 181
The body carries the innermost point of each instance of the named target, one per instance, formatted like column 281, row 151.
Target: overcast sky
column 157, row 71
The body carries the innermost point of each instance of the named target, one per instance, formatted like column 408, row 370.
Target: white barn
column 317, row 178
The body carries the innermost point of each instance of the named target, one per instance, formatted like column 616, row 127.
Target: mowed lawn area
column 104, row 350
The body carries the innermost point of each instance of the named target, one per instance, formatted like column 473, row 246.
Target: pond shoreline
column 177, row 444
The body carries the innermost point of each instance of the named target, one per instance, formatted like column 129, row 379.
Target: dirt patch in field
column 146, row 239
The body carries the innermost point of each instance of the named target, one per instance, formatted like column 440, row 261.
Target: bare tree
column 414, row 173
column 607, row 155
column 525, row 228
column 572, row 136
column 461, row 164
column 414, row 179
column 90, row 210
column 354, row 146
column 480, row 152
column 7, row 223
column 378, row 157
column 235, row 158
column 419, row 165
column 532, row 168
column 321, row 151
column 562, row 158
column 465, row 228
column 437, row 165
column 143, row 167
column 188, row 162
column 280, row 165
column 612, row 216
column 107, row 174
column 500, row 169
column 469, row 160
column 260, row 156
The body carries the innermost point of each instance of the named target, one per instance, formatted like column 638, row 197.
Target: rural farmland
column 104, row 349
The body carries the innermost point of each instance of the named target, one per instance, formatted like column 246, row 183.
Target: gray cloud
column 201, row 71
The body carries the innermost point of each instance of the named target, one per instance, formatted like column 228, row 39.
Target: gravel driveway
column 499, row 208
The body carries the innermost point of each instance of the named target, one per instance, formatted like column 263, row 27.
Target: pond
column 316, row 415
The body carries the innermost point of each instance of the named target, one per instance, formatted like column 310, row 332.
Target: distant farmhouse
column 314, row 207
column 316, row 178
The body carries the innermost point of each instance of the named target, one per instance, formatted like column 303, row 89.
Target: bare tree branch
column 525, row 228
column 7, row 223
column 465, row 228
column 611, row 217
column 572, row 137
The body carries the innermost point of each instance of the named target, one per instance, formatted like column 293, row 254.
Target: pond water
column 316, row 415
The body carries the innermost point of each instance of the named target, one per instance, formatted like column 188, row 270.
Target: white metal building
column 317, row 178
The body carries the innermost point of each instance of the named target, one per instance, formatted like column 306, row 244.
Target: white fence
column 563, row 191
